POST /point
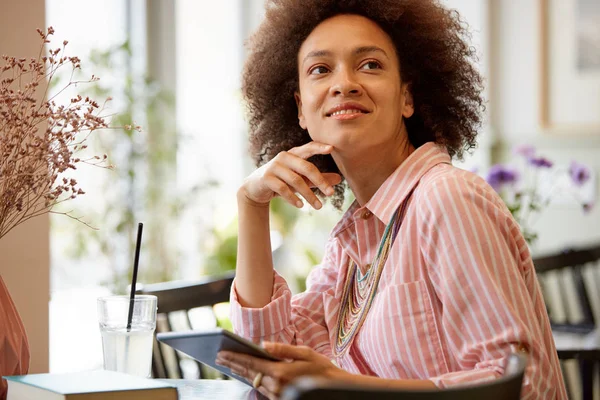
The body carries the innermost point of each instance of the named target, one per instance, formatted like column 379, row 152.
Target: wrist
column 244, row 200
column 335, row 373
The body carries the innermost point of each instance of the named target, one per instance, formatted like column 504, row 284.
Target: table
column 209, row 389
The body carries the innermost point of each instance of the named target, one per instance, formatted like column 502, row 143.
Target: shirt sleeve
column 298, row 319
column 481, row 271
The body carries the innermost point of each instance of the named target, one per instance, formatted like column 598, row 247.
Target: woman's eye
column 318, row 70
column 371, row 65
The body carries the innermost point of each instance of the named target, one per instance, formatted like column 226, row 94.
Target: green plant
column 294, row 228
column 222, row 245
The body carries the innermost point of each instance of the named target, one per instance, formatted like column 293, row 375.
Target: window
column 204, row 73
column 74, row 337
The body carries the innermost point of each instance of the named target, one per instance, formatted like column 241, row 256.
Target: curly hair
column 435, row 58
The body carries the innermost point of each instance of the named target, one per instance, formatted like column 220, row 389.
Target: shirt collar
column 397, row 186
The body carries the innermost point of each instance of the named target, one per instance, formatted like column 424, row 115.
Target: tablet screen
column 203, row 346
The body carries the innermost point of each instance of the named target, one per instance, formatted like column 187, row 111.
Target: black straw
column 134, row 277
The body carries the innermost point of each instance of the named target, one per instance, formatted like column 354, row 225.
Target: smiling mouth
column 349, row 111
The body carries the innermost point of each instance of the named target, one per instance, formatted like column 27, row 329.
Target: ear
column 409, row 105
column 301, row 119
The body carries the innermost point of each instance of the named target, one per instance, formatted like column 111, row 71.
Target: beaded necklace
column 359, row 290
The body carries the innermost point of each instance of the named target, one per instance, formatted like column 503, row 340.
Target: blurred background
column 173, row 67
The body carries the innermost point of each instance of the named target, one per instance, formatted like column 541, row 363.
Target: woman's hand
column 288, row 174
column 300, row 361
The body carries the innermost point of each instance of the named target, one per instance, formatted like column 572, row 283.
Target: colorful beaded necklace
column 359, row 290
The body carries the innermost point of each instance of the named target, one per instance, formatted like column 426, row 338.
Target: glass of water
column 127, row 350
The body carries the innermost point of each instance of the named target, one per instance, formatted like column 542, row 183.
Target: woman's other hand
column 290, row 175
column 299, row 361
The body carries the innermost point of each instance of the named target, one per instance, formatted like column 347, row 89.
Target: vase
column 14, row 349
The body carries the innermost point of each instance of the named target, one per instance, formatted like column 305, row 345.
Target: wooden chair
column 570, row 282
column 185, row 306
column 507, row 387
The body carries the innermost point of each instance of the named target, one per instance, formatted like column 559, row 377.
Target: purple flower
column 540, row 162
column 525, row 150
column 500, row 175
column 580, row 173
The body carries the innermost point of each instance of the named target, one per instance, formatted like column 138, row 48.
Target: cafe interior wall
column 25, row 251
column 515, row 104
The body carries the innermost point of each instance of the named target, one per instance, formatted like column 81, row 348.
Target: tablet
column 204, row 345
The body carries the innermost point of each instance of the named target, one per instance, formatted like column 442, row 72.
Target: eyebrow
column 356, row 52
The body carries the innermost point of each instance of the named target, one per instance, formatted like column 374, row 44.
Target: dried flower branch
column 33, row 161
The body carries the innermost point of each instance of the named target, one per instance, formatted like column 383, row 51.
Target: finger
column 299, row 185
column 235, row 368
column 282, row 189
column 246, row 363
column 270, row 385
column 310, row 149
column 267, row 383
column 332, row 178
column 283, row 350
column 305, row 169
column 267, row 393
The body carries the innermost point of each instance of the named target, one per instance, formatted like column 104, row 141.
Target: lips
column 347, row 109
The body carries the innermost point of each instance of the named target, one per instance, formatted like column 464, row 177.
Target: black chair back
column 568, row 279
column 570, row 282
column 177, row 304
column 508, row 387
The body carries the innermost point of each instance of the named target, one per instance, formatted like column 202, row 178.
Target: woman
column 426, row 281
column 14, row 349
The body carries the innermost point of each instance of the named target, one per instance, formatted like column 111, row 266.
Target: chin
column 340, row 138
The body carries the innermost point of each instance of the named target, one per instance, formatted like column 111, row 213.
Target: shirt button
column 367, row 214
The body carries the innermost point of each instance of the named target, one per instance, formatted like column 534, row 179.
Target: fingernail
column 329, row 191
column 317, row 204
column 299, row 204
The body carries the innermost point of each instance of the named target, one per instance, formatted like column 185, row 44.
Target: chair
column 180, row 307
column 575, row 269
column 508, row 387
column 570, row 284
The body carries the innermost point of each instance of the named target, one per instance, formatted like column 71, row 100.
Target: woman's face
column 351, row 95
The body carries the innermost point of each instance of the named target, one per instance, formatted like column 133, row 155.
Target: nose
column 345, row 84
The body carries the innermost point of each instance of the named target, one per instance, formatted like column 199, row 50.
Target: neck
column 366, row 173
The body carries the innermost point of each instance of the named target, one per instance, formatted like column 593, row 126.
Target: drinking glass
column 127, row 350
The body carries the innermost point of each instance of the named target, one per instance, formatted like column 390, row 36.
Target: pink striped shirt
column 458, row 292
